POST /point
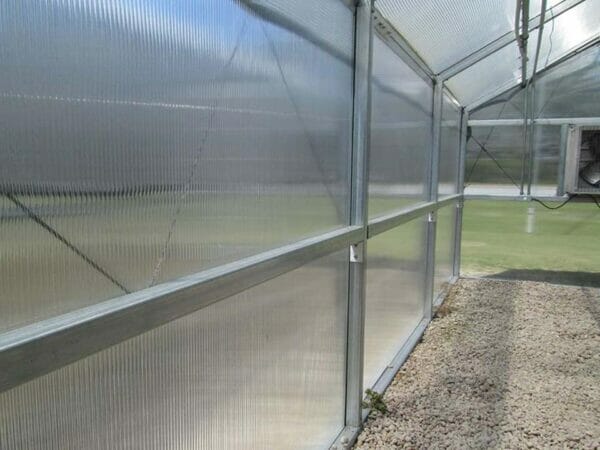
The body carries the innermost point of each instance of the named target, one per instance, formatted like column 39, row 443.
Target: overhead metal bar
column 504, row 40
column 387, row 222
column 34, row 350
column 389, row 34
column 482, row 101
column 363, row 51
column 558, row 121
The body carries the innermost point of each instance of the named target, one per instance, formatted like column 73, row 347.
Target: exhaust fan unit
column 582, row 164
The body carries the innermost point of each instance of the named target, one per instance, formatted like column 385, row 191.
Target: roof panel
column 501, row 70
column 568, row 31
column 494, row 74
column 445, row 31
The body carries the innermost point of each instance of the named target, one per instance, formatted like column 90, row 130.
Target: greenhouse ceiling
column 473, row 46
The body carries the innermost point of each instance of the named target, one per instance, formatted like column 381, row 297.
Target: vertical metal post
column 460, row 188
column 358, row 211
column 564, row 137
column 432, row 194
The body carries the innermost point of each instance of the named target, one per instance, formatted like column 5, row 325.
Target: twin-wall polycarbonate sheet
column 449, row 148
column 444, row 248
column 571, row 89
column 494, row 160
column 143, row 141
column 395, row 294
column 445, row 31
column 502, row 69
column 400, row 132
column 263, row 369
column 569, row 31
column 494, row 74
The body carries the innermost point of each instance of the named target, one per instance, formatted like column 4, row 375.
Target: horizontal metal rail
column 392, row 220
column 506, row 39
column 518, row 198
column 579, row 121
column 34, row 350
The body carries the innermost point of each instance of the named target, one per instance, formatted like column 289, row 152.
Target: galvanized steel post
column 460, row 188
column 432, row 193
column 358, row 212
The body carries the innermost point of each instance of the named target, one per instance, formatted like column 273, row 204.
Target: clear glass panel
column 144, row 141
column 562, row 245
column 445, row 31
column 395, row 294
column 449, row 148
column 400, row 132
column 444, row 248
column 263, row 369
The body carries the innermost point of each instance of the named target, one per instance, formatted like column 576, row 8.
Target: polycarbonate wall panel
column 449, row 148
column 569, row 31
column 400, row 132
column 143, row 141
column 395, row 294
column 497, row 169
column 444, row 248
column 263, row 369
column 445, row 31
column 544, row 170
column 571, row 89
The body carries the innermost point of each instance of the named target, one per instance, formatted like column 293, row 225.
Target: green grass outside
column 495, row 240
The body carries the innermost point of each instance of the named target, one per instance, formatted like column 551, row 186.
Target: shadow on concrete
column 586, row 279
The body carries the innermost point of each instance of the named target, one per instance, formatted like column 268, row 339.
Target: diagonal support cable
column 42, row 223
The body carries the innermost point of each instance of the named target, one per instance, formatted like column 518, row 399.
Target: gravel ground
column 505, row 364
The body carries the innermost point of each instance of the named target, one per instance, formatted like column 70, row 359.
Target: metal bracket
column 357, row 253
column 346, row 438
column 431, row 217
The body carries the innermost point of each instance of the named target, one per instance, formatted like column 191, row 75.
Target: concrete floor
column 503, row 365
